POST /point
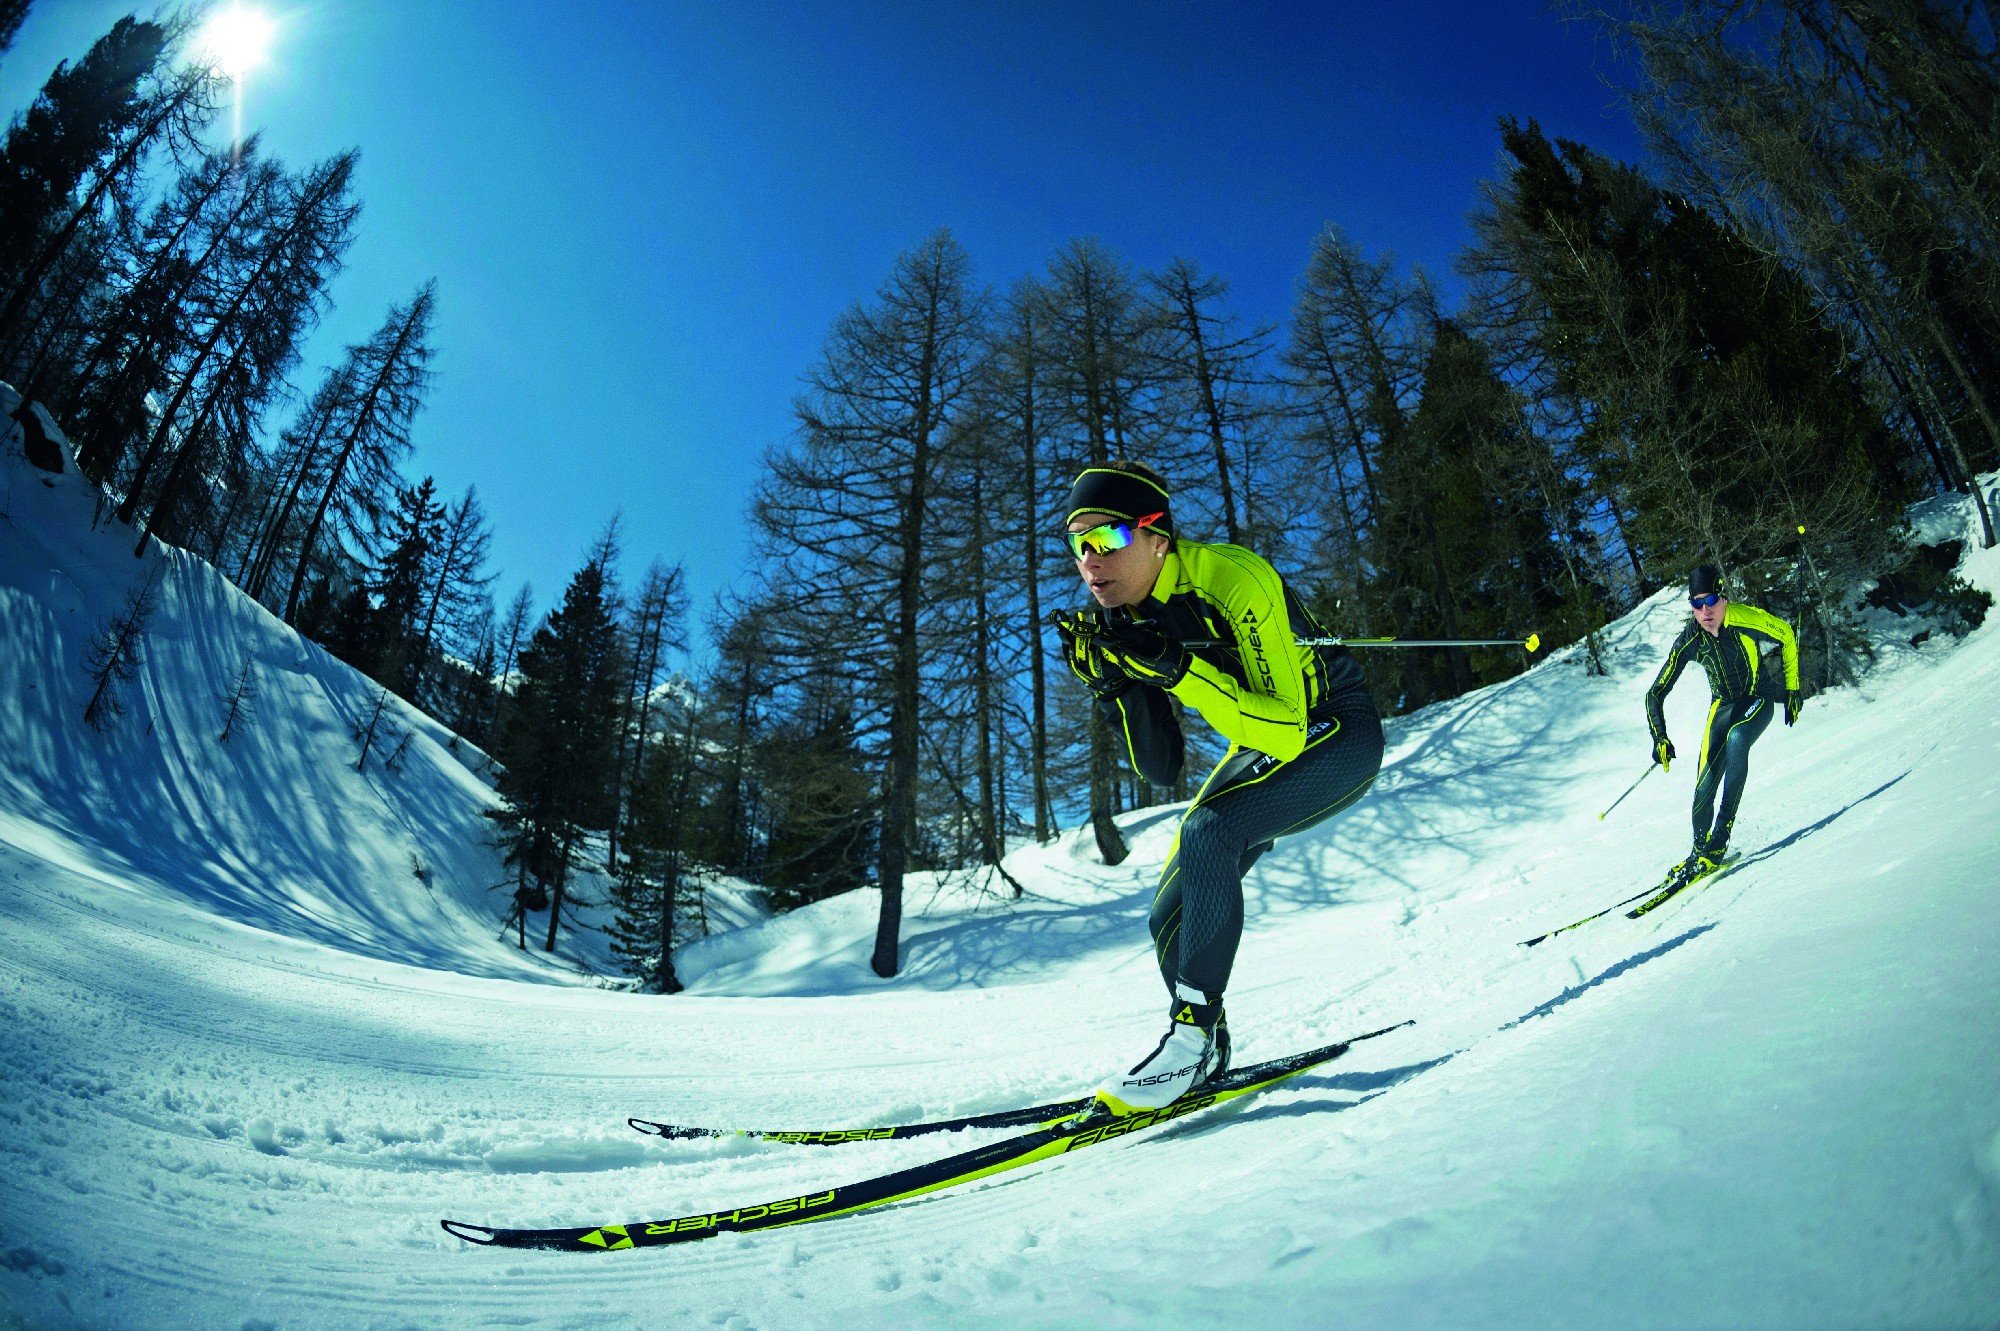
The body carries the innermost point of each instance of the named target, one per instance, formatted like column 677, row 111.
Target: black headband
column 1122, row 495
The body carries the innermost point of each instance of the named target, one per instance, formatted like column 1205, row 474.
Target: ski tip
column 672, row 1132
column 458, row 1229
column 1407, row 1021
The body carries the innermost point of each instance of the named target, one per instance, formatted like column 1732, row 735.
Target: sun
column 235, row 39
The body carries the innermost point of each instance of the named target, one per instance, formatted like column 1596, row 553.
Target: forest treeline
column 156, row 291
column 1756, row 349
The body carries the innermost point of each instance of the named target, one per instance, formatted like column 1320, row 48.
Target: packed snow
column 263, row 1033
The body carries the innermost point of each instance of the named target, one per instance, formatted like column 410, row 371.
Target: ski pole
column 1628, row 790
column 1532, row 642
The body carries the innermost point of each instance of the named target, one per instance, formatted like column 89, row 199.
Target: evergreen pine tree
column 824, row 818
column 399, row 586
column 12, row 12
column 80, row 148
column 560, row 743
column 1723, row 413
column 115, row 655
column 659, row 827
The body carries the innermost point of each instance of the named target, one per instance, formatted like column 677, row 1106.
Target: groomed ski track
column 1775, row 1102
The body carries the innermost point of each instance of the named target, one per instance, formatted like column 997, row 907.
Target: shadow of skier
column 1766, row 852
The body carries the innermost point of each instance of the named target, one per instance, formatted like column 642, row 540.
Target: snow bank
column 274, row 829
column 241, row 1090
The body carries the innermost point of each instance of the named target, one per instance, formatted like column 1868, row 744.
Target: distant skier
column 1727, row 639
column 1305, row 738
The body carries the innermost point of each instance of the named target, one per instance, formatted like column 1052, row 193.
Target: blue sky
column 643, row 217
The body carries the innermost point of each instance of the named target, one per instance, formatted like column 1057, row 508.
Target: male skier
column 1305, row 737
column 1728, row 640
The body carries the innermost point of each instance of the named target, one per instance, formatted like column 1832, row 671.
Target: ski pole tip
column 1534, row 642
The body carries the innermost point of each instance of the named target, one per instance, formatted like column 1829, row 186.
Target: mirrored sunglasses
column 1107, row 536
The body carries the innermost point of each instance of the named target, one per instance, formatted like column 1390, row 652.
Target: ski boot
column 1221, row 1062
column 1179, row 1062
column 1706, row 863
column 1688, row 870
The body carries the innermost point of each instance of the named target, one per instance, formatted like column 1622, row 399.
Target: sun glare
column 236, row 39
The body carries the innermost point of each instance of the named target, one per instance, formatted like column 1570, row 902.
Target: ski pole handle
column 1628, row 790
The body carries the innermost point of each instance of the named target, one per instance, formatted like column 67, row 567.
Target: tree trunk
column 899, row 813
column 983, row 691
column 1978, row 398
column 1038, row 731
column 556, row 898
column 1211, row 411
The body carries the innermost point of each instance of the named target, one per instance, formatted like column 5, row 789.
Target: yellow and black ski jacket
column 1733, row 658
column 1260, row 689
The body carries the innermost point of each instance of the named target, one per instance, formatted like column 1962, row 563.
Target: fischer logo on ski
column 1118, row 1127
column 743, row 1214
column 831, row 1136
column 1072, row 1133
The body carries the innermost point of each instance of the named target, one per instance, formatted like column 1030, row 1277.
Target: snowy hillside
column 252, row 1059
column 276, row 829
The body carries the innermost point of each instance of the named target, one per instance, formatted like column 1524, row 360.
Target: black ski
column 1594, row 915
column 1660, row 894
column 1035, row 1116
column 1089, row 1128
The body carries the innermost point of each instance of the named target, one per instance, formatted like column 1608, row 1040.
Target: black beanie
column 1122, row 494
column 1704, row 580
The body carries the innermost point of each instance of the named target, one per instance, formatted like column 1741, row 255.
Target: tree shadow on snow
column 1483, row 763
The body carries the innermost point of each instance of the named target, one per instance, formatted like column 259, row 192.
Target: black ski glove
column 1082, row 633
column 1145, row 653
column 1663, row 752
column 1793, row 701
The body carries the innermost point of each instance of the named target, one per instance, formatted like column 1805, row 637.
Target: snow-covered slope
column 1774, row 1103
column 275, row 829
